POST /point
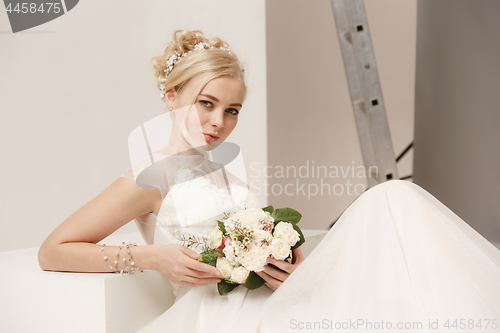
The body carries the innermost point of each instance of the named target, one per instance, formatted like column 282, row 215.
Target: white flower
column 280, row 249
column 239, row 275
column 239, row 247
column 229, row 225
column 224, row 267
column 250, row 218
column 214, row 238
column 239, row 251
column 285, row 231
column 262, row 236
column 230, row 255
column 255, row 258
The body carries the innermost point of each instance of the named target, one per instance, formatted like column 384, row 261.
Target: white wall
column 74, row 88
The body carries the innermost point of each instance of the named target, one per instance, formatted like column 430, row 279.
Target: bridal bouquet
column 241, row 243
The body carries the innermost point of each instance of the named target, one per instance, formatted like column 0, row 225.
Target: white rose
column 250, row 218
column 280, row 249
column 285, row 231
column 262, row 236
column 214, row 238
column 224, row 267
column 239, row 275
column 255, row 258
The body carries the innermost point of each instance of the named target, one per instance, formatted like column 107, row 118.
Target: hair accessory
column 176, row 57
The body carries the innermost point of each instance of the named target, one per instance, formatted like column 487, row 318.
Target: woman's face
column 218, row 105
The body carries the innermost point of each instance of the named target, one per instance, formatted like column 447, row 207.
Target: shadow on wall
column 456, row 109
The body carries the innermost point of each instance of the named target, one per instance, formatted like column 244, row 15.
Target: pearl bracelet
column 128, row 270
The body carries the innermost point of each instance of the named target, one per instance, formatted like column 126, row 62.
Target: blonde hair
column 216, row 61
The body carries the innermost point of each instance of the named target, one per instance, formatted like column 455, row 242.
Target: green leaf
column 268, row 209
column 222, row 227
column 208, row 257
column 286, row 214
column 302, row 238
column 224, row 287
column 254, row 281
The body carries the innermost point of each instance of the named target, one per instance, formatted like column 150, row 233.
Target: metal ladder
column 366, row 93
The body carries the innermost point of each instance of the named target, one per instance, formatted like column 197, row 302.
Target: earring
column 170, row 109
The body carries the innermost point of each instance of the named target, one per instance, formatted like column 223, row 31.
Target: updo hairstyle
column 216, row 61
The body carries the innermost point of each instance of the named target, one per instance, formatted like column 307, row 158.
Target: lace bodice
column 194, row 204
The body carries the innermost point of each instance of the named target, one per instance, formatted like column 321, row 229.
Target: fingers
column 298, row 256
column 276, row 273
column 283, row 265
column 272, row 286
column 197, row 282
column 203, row 269
column 200, row 281
column 271, row 282
column 190, row 253
column 204, row 274
column 187, row 276
column 274, row 277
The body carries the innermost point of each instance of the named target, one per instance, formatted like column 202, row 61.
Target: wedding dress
column 396, row 256
column 397, row 259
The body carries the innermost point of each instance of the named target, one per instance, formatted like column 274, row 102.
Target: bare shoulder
column 149, row 200
column 121, row 202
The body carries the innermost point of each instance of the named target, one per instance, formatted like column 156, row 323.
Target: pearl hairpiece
column 176, row 57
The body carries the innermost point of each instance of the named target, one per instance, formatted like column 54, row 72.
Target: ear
column 170, row 99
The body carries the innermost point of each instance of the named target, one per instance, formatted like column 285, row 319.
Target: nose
column 217, row 118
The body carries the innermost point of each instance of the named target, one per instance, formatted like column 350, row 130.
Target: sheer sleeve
column 128, row 174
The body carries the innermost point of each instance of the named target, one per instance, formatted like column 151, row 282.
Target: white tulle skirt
column 397, row 260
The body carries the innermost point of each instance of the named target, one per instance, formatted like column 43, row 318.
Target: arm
column 72, row 245
column 275, row 277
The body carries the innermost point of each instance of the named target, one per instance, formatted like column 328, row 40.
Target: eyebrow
column 215, row 99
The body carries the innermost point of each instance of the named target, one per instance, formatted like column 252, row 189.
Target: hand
column 181, row 266
column 274, row 277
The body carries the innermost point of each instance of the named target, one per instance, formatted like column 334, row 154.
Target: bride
column 397, row 259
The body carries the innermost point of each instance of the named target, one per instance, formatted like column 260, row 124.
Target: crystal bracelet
column 128, row 270
column 132, row 263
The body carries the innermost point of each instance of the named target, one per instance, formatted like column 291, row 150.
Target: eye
column 233, row 111
column 206, row 103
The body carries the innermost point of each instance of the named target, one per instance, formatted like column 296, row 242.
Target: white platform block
column 33, row 300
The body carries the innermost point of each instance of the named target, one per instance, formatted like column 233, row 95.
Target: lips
column 211, row 137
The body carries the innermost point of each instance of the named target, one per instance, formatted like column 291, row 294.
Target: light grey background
column 457, row 137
